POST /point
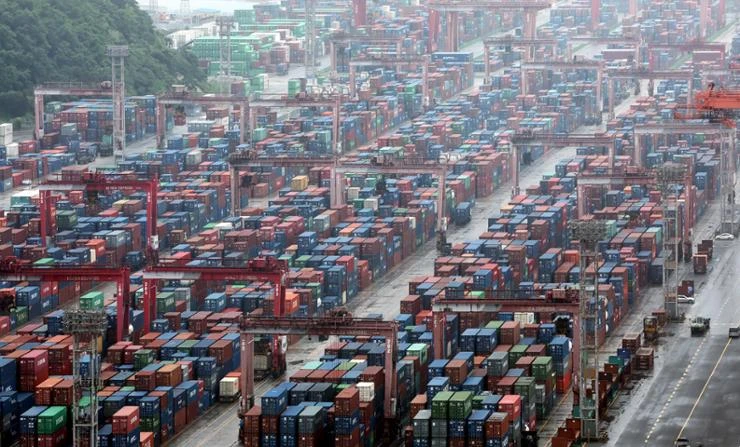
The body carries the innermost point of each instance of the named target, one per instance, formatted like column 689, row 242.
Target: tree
column 47, row 41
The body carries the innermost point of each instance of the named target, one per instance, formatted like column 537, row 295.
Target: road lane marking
column 706, row 384
column 679, row 382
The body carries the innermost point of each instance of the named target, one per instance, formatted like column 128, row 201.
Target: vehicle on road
column 734, row 332
column 683, row 442
column 700, row 325
column 683, row 299
column 724, row 237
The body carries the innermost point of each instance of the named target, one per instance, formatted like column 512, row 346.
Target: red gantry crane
column 508, row 42
column 339, row 322
column 452, row 9
column 258, row 269
column 343, row 39
column 93, row 183
column 686, row 47
column 76, row 89
column 12, row 269
column 178, row 95
column 575, row 64
column 397, row 62
column 558, row 141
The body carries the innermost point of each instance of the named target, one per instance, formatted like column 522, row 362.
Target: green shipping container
column 92, row 301
column 461, row 405
column 440, row 403
column 51, row 420
column 21, row 315
column 165, row 303
column 516, row 352
column 143, row 357
column 542, row 367
column 186, row 346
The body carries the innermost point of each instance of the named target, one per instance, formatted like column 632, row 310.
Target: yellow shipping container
column 299, row 183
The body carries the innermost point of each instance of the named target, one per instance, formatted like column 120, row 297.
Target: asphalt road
column 692, row 390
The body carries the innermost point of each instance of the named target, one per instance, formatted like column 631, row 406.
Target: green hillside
column 65, row 40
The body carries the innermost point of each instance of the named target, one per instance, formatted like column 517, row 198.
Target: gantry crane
column 12, row 269
column 508, row 42
column 244, row 161
column 342, row 166
column 558, row 141
column 723, row 106
column 452, row 8
column 630, row 73
column 81, row 90
column 93, row 183
column 369, row 39
column 397, row 62
column 575, row 64
column 179, row 96
column 332, row 100
column 719, row 105
column 596, row 12
column 634, row 41
column 258, row 269
column 686, row 47
column 339, row 322
column 584, row 180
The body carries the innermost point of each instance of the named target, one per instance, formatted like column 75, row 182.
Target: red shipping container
column 347, row 402
column 62, row 394
column 55, row 440
column 43, row 392
column 193, row 411
column 512, row 405
column 34, row 369
column 181, row 419
column 146, row 439
column 126, row 420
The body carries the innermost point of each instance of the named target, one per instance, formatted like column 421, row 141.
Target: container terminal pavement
column 527, row 238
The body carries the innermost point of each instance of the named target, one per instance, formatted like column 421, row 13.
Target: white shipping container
column 228, row 387
column 524, row 317
column 260, row 362
column 6, row 128
column 11, row 150
column 6, row 139
column 371, row 203
column 367, row 391
column 353, row 192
